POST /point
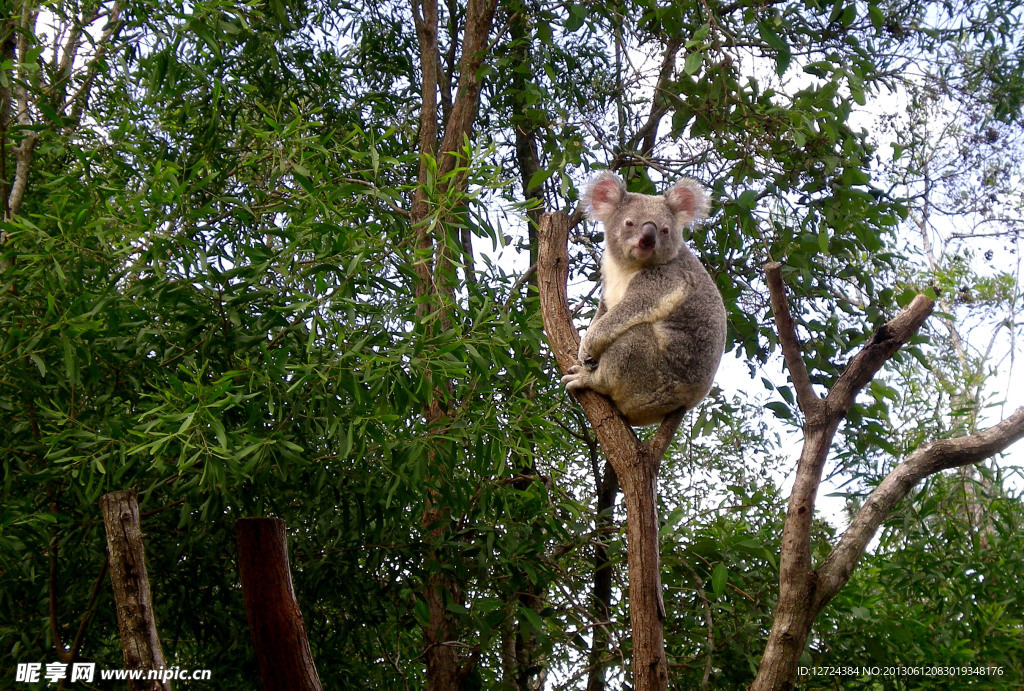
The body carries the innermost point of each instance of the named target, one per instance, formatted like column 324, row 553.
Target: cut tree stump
column 278, row 633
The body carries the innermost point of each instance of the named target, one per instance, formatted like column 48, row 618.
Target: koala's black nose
column 648, row 236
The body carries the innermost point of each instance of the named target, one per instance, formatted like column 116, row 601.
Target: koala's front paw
column 577, row 378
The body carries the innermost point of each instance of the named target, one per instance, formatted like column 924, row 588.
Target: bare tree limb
column 425, row 17
column 645, row 136
column 804, row 590
column 659, row 443
column 926, row 460
column 435, row 273
column 882, row 345
column 23, row 151
column 810, row 403
column 76, row 101
column 271, row 607
column 479, row 19
column 140, row 641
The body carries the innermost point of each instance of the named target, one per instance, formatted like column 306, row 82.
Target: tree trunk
column 126, row 555
column 796, row 608
column 275, row 621
column 444, row 670
column 607, row 490
column 646, row 606
column 436, row 281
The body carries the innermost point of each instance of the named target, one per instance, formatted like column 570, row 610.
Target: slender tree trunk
column 126, row 555
column 646, row 606
column 607, row 490
column 275, row 621
column 436, row 283
column 444, row 672
column 964, row 389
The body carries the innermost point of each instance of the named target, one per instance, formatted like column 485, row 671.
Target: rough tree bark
column 635, row 463
column 607, row 491
column 804, row 590
column 127, row 563
column 275, row 621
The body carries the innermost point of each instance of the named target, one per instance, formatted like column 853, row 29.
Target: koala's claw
column 577, row 378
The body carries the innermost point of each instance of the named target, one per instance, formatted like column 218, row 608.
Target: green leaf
column 421, row 611
column 747, row 200
column 218, row 429
column 692, row 64
column 783, row 54
column 187, row 422
column 38, row 361
column 531, row 619
column 538, row 178
column 877, row 15
column 577, row 16
column 719, row 579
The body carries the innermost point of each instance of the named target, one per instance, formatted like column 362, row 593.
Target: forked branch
column 553, row 274
column 803, row 590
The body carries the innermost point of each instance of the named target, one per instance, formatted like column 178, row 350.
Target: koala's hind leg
column 636, row 375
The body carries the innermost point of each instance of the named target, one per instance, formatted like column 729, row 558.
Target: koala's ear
column 688, row 200
column 603, row 194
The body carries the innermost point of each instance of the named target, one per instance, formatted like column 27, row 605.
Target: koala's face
column 641, row 229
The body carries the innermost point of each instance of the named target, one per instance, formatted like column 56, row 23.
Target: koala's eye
column 629, row 223
column 664, row 230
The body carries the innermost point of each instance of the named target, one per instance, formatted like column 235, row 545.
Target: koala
column 659, row 332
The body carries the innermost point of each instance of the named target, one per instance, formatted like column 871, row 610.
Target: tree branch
column 271, row 607
column 553, row 273
column 140, row 642
column 634, row 463
column 882, row 345
column 659, row 443
column 810, row 403
column 479, row 18
column 76, row 101
column 926, row 460
column 645, row 136
column 23, row 151
column 799, row 587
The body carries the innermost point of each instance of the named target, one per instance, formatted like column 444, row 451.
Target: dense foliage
column 209, row 291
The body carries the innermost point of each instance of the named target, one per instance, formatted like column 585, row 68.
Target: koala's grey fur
column 659, row 332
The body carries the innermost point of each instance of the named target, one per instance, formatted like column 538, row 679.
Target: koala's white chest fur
column 614, row 280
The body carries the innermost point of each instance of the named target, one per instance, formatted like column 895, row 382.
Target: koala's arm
column 649, row 300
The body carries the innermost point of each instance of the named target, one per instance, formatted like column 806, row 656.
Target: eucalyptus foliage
column 208, row 293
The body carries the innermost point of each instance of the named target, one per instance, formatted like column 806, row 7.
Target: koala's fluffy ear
column 689, row 201
column 604, row 193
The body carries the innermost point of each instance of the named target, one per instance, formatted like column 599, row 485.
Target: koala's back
column 670, row 360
